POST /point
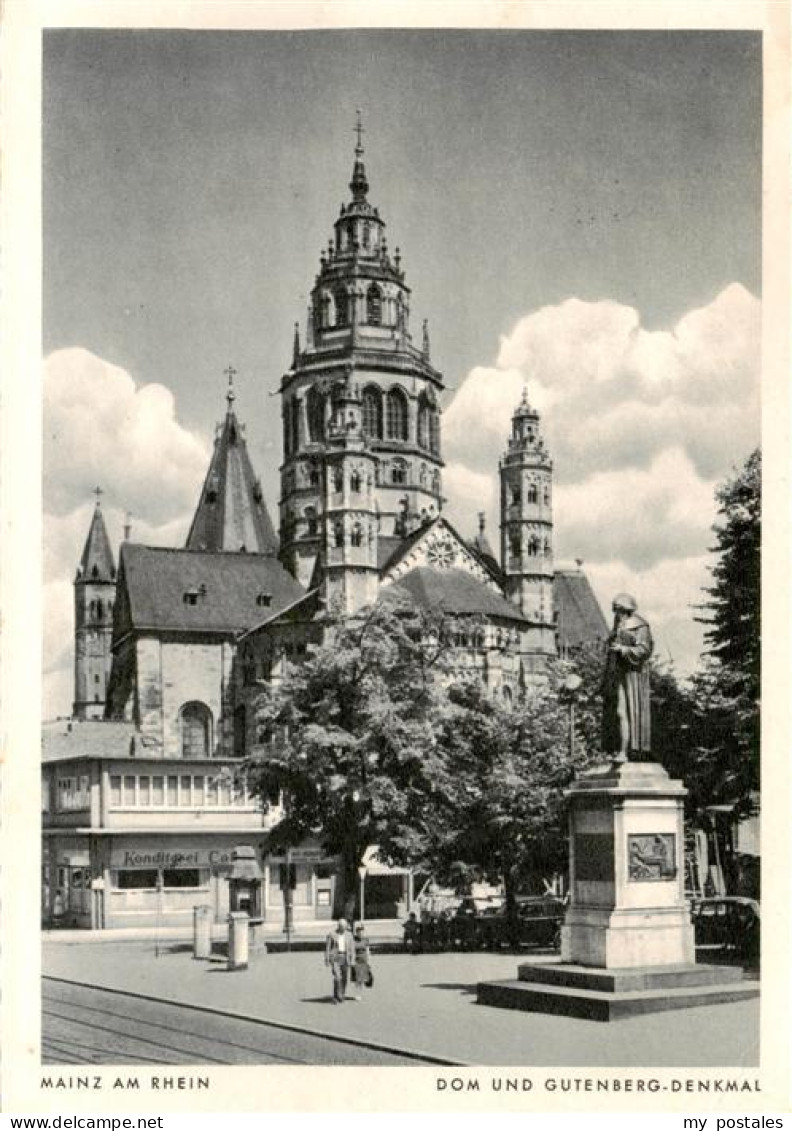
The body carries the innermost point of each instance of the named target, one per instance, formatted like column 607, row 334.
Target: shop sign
column 170, row 858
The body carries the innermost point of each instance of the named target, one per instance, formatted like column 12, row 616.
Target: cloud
column 102, row 428
column 641, row 426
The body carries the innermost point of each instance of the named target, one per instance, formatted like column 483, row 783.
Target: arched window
column 313, row 475
column 514, row 545
column 295, row 425
column 354, row 482
column 546, row 495
column 516, row 497
column 372, row 413
column 326, row 310
column 436, row 482
column 342, row 308
column 400, row 312
column 310, row 519
column 240, row 732
column 533, row 546
column 396, row 415
column 532, row 495
column 399, row 471
column 547, row 547
column 196, row 730
column 287, row 427
column 316, row 415
column 423, row 475
column 374, row 305
column 338, row 532
column 434, row 432
column 507, row 696
column 99, row 610
column 366, row 234
column 424, row 425
column 357, row 535
column 338, row 479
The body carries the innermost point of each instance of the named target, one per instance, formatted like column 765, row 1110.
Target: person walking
column 362, row 974
column 339, row 955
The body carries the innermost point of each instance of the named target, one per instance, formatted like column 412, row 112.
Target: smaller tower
column 526, row 475
column 349, row 520
column 94, row 598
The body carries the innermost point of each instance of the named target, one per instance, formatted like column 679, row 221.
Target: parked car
column 537, row 922
column 470, row 922
column 727, row 925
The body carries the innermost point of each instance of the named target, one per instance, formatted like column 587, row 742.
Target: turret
column 358, row 332
column 349, row 520
column 526, row 475
column 94, row 598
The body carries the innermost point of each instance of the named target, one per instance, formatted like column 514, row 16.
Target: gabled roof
column 435, row 533
column 181, row 590
column 454, row 591
column 231, row 513
column 97, row 562
column 579, row 618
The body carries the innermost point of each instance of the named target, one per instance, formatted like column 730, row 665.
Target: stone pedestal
column 627, row 900
column 627, row 944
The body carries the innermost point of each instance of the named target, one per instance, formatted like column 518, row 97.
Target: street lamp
column 572, row 685
column 362, row 871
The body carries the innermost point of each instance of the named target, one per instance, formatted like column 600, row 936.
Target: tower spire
column 230, row 373
column 359, row 185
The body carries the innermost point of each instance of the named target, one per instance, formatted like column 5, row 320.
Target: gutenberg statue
column 626, row 733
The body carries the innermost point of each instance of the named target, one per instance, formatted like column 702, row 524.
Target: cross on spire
column 359, row 131
column 230, row 373
column 98, row 491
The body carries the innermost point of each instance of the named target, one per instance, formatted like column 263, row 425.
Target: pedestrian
column 362, row 974
column 412, row 934
column 339, row 956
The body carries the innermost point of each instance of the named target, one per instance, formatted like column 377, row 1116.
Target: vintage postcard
column 396, row 473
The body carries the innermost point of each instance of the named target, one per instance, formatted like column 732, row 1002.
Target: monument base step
column 629, row 979
column 577, row 999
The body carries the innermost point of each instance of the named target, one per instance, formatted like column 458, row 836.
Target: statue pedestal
column 628, row 903
column 627, row 944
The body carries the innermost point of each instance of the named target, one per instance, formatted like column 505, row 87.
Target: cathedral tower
column 94, row 597
column 359, row 332
column 349, row 518
column 231, row 514
column 526, row 475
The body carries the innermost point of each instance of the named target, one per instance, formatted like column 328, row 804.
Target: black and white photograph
column 402, row 517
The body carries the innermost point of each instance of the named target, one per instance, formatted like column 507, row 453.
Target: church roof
column 579, row 618
column 455, row 591
column 97, row 562
column 231, row 513
column 183, row 590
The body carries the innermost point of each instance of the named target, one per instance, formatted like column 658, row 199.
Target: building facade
column 143, row 802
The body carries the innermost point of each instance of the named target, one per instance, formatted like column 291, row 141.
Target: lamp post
column 362, row 872
column 572, row 685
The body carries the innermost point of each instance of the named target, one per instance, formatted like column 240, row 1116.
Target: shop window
column 138, row 879
column 185, row 791
column 181, row 878
column 115, row 790
column 172, row 792
column 128, row 798
column 196, row 730
column 157, row 791
column 144, row 791
column 198, row 790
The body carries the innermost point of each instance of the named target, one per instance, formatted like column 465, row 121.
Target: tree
column 354, row 753
column 505, row 818
column 727, row 688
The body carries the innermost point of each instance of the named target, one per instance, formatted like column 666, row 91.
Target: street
column 422, row 1005
column 88, row 1026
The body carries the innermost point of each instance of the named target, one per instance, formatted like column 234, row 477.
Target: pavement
column 424, row 1004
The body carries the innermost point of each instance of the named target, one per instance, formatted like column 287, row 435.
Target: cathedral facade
column 141, row 808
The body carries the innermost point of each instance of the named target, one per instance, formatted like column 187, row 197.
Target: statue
column 626, row 730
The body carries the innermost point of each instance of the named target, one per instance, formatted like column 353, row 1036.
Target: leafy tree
column 505, row 818
column 727, row 688
column 355, row 754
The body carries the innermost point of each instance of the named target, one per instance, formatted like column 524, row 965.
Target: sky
column 578, row 212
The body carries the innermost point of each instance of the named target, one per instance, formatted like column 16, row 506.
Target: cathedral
column 141, row 807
